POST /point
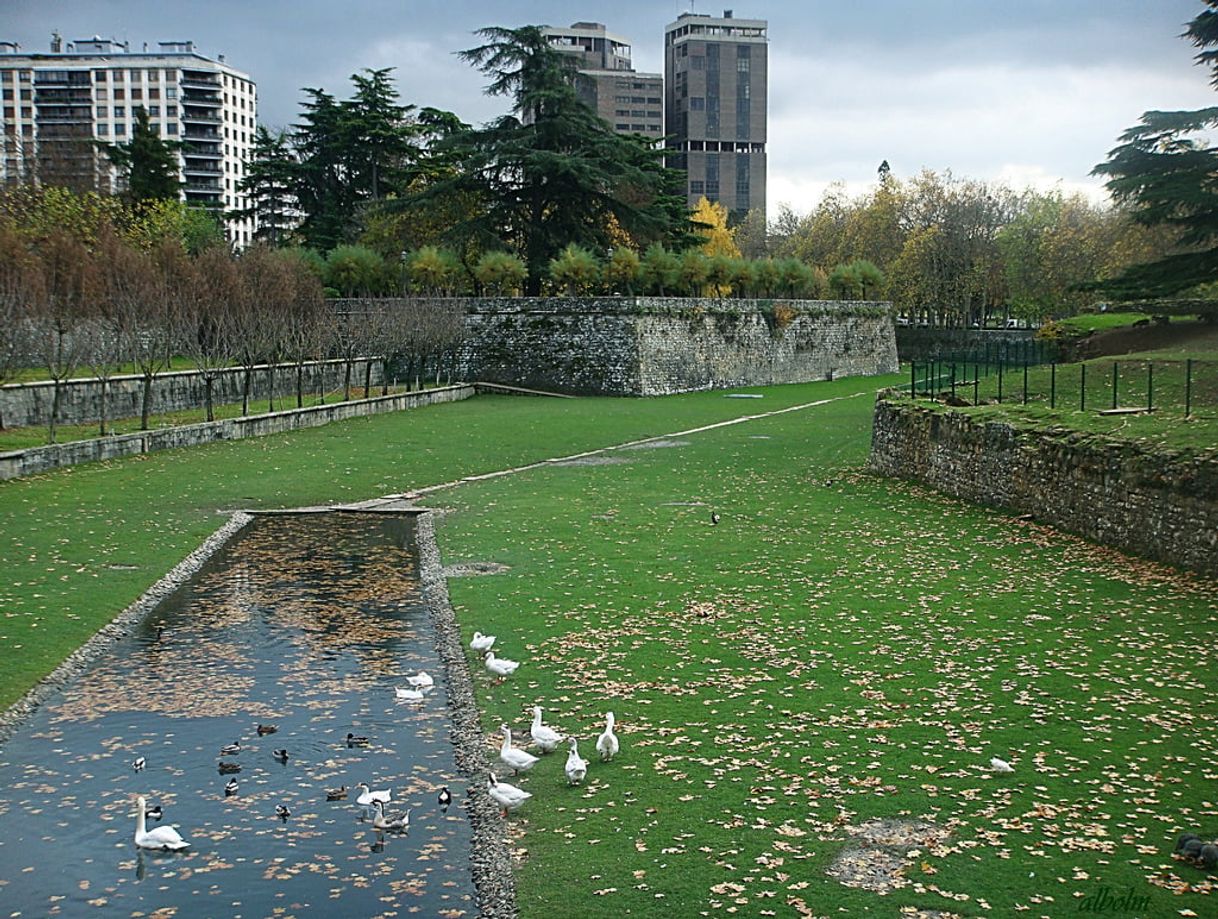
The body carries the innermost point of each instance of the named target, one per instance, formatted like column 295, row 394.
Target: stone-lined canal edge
column 14, row 717
column 491, row 863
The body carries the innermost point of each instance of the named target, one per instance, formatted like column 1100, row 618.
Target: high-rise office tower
column 630, row 101
column 57, row 103
column 715, row 107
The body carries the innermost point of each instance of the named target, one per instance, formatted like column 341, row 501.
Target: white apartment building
column 55, row 104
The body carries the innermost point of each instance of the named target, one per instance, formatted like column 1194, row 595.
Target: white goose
column 367, row 797
column 500, row 666
column 607, row 745
column 545, row 737
column 1001, row 765
column 482, row 642
column 577, row 766
column 519, row 760
column 409, row 695
column 393, row 823
column 509, row 797
column 421, row 680
column 165, row 838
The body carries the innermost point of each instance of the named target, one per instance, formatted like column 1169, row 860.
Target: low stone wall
column 1159, row 504
column 24, row 404
column 918, row 343
column 627, row 346
column 40, row 459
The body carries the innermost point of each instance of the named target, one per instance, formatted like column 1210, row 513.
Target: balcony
column 211, row 101
column 194, row 132
column 201, row 169
column 202, row 187
column 197, row 81
column 188, row 115
column 195, row 150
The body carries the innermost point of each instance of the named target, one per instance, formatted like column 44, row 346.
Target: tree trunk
column 146, row 402
column 270, row 385
column 208, row 380
column 105, row 398
column 54, row 410
column 246, row 383
column 347, row 381
column 384, row 376
column 300, row 385
column 367, row 377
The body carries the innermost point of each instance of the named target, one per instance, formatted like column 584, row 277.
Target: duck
column 545, row 737
column 228, row 768
column 1001, row 765
column 409, row 695
column 165, row 838
column 482, row 642
column 231, row 749
column 231, row 788
column 282, row 812
column 607, row 745
column 577, row 766
column 355, row 741
column 281, row 755
column 421, row 680
column 508, row 797
column 367, row 797
column 392, row 823
column 155, row 812
column 519, row 760
column 446, row 797
column 500, row 666
column 714, row 519
column 337, row 794
column 264, row 729
column 139, row 764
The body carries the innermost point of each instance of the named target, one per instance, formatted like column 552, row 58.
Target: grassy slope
column 867, row 647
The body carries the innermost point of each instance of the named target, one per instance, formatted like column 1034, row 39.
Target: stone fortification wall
column 655, row 346
column 80, row 400
column 1159, row 504
column 40, row 459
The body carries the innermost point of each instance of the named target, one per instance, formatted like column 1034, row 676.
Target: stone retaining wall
column 1160, row 504
column 627, row 346
column 40, row 459
column 918, row 343
column 24, row 404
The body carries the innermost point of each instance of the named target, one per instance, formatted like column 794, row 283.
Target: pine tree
column 149, row 165
column 269, row 186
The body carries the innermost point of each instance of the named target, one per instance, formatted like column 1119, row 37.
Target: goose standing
column 500, row 666
column 392, row 823
column 421, row 680
column 545, row 737
column 165, row 838
column 508, row 797
column 519, row 760
column 482, row 642
column 607, row 745
column 1001, row 765
column 577, row 766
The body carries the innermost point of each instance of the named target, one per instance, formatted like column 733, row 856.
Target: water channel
column 303, row 622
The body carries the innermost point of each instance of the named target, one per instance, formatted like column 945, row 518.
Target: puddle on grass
column 304, row 622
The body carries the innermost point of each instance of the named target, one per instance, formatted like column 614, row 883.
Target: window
column 120, row 111
column 134, row 75
column 697, row 187
column 171, row 111
column 103, row 94
column 171, row 92
column 137, row 93
column 170, row 75
column 697, row 62
column 99, row 76
column 621, row 127
column 8, row 114
column 742, row 65
column 171, row 128
column 697, row 104
column 103, row 130
column 27, row 113
column 153, row 76
column 101, row 111
column 23, row 76
column 154, row 93
column 8, row 95
column 25, row 95
column 120, row 130
column 120, row 93
column 154, row 111
column 653, row 100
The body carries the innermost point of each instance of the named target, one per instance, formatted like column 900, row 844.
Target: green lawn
column 1099, row 322
column 838, row 648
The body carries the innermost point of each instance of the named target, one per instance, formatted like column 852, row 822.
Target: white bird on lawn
column 509, row 797
column 545, row 737
column 409, row 695
column 607, row 745
column 482, row 642
column 165, row 838
column 577, row 766
column 500, row 666
column 393, row 823
column 519, row 760
column 421, row 680
column 1001, row 765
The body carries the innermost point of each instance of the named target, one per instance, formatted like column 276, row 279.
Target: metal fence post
column 1082, row 386
column 953, row 381
column 913, row 379
column 1115, row 381
column 976, row 382
column 1053, row 385
column 1188, row 387
column 1150, row 386
column 1000, row 382
column 1025, row 376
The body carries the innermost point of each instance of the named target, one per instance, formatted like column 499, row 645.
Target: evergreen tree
column 269, row 185
column 1167, row 172
column 321, row 171
column 149, row 165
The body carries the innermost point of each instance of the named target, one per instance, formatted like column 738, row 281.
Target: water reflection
column 306, row 623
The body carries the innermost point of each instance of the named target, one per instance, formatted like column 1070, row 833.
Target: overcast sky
column 1023, row 91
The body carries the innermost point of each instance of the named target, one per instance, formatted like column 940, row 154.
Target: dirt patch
column 473, row 569
column 661, row 444
column 591, row 461
column 1152, row 337
column 880, row 852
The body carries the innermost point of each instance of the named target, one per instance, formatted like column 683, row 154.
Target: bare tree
column 306, row 335
column 257, row 317
column 156, row 327
column 209, row 300
column 20, row 289
column 69, row 286
column 124, row 282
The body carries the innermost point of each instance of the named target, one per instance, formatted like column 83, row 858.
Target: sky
column 1026, row 92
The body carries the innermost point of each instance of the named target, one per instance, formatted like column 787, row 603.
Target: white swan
column 577, row 766
column 509, row 797
column 482, row 642
column 606, row 744
column 545, row 737
column 421, row 680
column 519, row 760
column 368, row 797
column 409, row 695
column 393, row 823
column 165, row 838
column 500, row 666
